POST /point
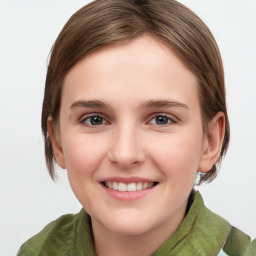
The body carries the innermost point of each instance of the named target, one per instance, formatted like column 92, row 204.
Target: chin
column 130, row 225
column 130, row 230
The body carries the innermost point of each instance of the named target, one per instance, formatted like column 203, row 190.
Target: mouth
column 130, row 187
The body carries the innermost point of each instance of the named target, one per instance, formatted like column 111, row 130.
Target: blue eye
column 160, row 120
column 94, row 120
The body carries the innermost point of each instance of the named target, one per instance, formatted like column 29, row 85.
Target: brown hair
column 109, row 22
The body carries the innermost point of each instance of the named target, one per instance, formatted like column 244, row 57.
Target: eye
column 94, row 121
column 161, row 120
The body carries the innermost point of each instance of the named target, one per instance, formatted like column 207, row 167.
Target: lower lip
column 128, row 195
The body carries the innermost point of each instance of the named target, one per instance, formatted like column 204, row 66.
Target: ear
column 212, row 143
column 56, row 144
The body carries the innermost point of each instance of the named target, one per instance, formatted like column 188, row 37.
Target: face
column 131, row 136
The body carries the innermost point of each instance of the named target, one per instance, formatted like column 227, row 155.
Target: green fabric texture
column 69, row 235
column 251, row 251
column 202, row 233
column 237, row 243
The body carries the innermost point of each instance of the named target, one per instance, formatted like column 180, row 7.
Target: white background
column 29, row 199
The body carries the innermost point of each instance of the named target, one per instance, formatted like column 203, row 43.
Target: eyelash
column 166, row 117
column 90, row 117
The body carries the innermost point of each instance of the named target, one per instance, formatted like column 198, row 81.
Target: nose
column 126, row 149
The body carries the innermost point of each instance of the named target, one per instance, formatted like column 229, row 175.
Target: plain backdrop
column 29, row 199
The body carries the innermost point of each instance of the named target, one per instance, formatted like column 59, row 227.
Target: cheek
column 83, row 158
column 82, row 154
column 178, row 155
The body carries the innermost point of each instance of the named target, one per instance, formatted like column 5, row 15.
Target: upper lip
column 127, row 180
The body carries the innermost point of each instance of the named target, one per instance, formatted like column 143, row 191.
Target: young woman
column 135, row 110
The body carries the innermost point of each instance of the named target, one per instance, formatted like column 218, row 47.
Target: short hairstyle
column 111, row 22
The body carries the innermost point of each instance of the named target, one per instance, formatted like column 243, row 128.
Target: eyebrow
column 163, row 104
column 89, row 104
column 148, row 104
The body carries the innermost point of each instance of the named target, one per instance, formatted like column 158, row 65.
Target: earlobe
column 212, row 143
column 56, row 144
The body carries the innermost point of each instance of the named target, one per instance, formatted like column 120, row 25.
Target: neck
column 115, row 244
column 124, row 245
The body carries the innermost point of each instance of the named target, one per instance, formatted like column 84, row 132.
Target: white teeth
column 145, row 185
column 139, row 186
column 115, row 185
column 109, row 184
column 122, row 187
column 131, row 187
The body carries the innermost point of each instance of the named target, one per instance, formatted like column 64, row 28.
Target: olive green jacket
column 202, row 233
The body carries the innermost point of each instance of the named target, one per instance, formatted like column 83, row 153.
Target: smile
column 130, row 187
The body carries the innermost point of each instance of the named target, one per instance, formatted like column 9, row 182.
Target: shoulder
column 202, row 232
column 236, row 241
column 57, row 238
column 239, row 243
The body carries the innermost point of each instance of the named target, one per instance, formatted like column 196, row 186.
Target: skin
column 147, row 126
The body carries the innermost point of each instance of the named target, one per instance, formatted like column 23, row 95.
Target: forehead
column 143, row 66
